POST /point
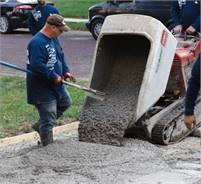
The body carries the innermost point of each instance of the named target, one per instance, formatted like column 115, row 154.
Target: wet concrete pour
column 106, row 121
column 71, row 161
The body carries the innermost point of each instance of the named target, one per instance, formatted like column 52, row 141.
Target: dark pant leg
column 48, row 114
column 62, row 105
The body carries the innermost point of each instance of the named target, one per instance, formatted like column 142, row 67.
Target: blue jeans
column 50, row 111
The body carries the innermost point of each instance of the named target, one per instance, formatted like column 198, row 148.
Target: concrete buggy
column 143, row 70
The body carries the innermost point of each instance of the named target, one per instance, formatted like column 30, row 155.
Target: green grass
column 75, row 8
column 14, row 110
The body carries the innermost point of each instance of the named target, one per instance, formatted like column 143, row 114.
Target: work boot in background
column 46, row 138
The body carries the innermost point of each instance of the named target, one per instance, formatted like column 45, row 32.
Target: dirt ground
column 68, row 161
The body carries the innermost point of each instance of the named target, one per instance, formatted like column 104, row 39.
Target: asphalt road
column 78, row 47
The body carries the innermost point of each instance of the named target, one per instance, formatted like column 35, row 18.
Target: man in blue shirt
column 45, row 89
column 186, row 16
column 38, row 17
column 191, row 96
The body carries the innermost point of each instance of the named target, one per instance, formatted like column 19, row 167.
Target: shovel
column 90, row 92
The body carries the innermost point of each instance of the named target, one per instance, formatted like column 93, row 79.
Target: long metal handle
column 30, row 72
column 91, row 92
column 79, row 87
column 15, row 67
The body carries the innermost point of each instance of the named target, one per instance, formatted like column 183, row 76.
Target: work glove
column 190, row 30
column 69, row 76
column 58, row 80
column 177, row 29
column 190, row 121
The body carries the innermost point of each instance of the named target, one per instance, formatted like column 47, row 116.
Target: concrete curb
column 34, row 135
column 75, row 20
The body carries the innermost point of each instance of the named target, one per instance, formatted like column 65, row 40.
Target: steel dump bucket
column 132, row 62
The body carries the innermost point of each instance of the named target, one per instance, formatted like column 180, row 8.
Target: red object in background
column 23, row 7
column 164, row 38
column 181, row 68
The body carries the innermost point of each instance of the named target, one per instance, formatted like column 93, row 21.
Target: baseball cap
column 58, row 21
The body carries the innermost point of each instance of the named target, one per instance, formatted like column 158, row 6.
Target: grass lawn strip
column 17, row 116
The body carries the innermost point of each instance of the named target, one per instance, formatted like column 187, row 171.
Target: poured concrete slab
column 162, row 177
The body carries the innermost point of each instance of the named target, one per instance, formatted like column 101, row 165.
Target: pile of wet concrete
column 106, row 121
column 71, row 161
column 68, row 160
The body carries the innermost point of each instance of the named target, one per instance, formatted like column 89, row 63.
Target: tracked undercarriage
column 144, row 80
column 164, row 125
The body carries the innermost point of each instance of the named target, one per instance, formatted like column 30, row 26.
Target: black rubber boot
column 35, row 126
column 46, row 138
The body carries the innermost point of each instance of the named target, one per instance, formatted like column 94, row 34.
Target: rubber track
column 169, row 118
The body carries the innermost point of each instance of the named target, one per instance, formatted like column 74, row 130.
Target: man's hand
column 189, row 121
column 58, row 80
column 69, row 76
column 190, row 30
column 177, row 29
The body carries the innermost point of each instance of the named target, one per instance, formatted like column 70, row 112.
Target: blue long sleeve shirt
column 38, row 17
column 193, row 88
column 186, row 13
column 46, row 60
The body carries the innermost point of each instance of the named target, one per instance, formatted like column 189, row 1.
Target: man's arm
column 193, row 88
column 196, row 23
column 38, row 62
column 32, row 24
column 56, row 11
column 174, row 12
column 61, row 56
column 194, row 27
column 191, row 94
column 65, row 69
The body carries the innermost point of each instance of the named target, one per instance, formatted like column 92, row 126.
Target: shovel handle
column 15, row 67
column 78, row 86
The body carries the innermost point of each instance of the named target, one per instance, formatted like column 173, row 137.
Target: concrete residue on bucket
column 122, row 61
